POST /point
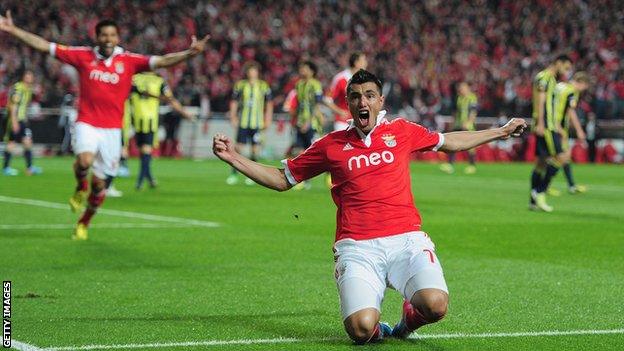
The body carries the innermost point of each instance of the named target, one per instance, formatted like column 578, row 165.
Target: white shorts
column 103, row 143
column 364, row 268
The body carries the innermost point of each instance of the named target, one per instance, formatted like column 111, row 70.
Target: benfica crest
column 389, row 140
column 119, row 67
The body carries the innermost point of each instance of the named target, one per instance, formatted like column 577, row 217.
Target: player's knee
column 361, row 327
column 434, row 306
column 84, row 161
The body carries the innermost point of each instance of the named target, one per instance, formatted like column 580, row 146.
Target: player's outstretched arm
column 196, row 47
column 30, row 39
column 270, row 177
column 459, row 141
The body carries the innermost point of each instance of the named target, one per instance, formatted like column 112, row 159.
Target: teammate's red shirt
column 104, row 82
column 371, row 184
column 338, row 92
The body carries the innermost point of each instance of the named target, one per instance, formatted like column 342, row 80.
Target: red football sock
column 414, row 319
column 81, row 177
column 95, row 201
column 377, row 336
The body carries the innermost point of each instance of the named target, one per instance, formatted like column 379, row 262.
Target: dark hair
column 361, row 77
column 310, row 65
column 354, row 57
column 105, row 23
column 564, row 58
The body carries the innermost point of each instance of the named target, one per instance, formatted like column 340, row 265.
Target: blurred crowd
column 419, row 48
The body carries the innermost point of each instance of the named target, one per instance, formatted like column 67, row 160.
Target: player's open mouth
column 363, row 117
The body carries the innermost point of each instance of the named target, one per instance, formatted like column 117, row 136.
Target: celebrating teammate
column 338, row 89
column 148, row 89
column 565, row 99
column 465, row 117
column 17, row 130
column 255, row 114
column 379, row 242
column 105, row 79
column 544, row 126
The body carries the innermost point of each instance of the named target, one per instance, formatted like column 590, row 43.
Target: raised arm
column 459, row 141
column 270, row 177
column 30, row 39
column 196, row 47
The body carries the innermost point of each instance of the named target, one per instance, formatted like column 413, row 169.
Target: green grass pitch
column 263, row 279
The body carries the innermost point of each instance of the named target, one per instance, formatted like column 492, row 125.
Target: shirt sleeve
column 140, row 63
column 421, row 138
column 318, row 92
column 541, row 83
column 165, row 90
column 268, row 94
column 309, row 164
column 236, row 92
column 572, row 101
column 67, row 54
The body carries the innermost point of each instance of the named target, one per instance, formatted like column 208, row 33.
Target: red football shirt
column 338, row 92
column 370, row 176
column 104, row 82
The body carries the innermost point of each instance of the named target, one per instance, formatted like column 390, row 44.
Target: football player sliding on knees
column 379, row 242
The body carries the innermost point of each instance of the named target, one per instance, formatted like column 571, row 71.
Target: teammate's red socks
column 95, row 201
column 81, row 177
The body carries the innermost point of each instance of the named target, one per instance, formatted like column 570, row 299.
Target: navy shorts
column 144, row 139
column 248, row 136
column 549, row 144
column 23, row 132
column 304, row 140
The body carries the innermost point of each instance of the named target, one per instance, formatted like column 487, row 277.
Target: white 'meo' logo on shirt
column 105, row 77
column 374, row 159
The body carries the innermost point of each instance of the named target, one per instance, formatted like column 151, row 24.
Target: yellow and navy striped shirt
column 565, row 97
column 309, row 93
column 20, row 96
column 465, row 105
column 145, row 102
column 544, row 82
column 252, row 98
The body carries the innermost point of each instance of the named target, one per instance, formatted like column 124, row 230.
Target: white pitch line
column 128, row 214
column 294, row 340
column 101, row 225
column 18, row 345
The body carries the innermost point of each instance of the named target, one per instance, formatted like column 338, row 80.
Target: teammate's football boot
column 8, row 171
column 123, row 172
column 447, row 168
column 540, row 201
column 231, row 179
column 553, row 192
column 113, row 192
column 470, row 169
column 577, row 189
column 77, row 201
column 33, row 170
column 80, row 232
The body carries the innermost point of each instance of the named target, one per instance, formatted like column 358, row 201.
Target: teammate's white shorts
column 339, row 125
column 364, row 268
column 103, row 143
